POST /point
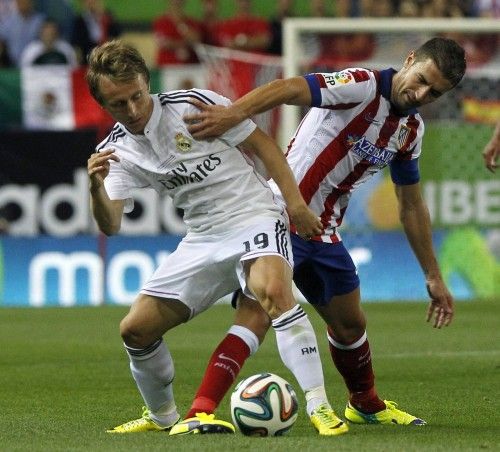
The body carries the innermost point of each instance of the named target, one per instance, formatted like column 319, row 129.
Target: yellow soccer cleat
column 200, row 424
column 143, row 424
column 326, row 422
column 391, row 415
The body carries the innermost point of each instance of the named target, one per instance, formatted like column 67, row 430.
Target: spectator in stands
column 480, row 48
column 341, row 49
column 49, row 49
column 61, row 11
column 318, row 8
column 312, row 43
column 487, row 8
column 284, row 9
column 4, row 55
column 348, row 8
column 20, row 28
column 409, row 8
column 209, row 20
column 483, row 47
column 94, row 25
column 244, row 31
column 377, row 8
column 176, row 34
column 442, row 8
column 7, row 7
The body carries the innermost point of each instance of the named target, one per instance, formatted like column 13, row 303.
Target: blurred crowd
column 54, row 32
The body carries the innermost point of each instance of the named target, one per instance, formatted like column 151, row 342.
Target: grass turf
column 64, row 379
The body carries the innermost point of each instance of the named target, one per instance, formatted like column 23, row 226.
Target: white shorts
column 206, row 267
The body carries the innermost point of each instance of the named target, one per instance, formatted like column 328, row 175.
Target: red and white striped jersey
column 352, row 132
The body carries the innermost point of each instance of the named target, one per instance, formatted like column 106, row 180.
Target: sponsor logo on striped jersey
column 338, row 78
column 375, row 155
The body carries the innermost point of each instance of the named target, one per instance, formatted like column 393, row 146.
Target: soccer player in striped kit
column 237, row 238
column 360, row 121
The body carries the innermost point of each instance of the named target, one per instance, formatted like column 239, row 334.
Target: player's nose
column 131, row 109
column 422, row 93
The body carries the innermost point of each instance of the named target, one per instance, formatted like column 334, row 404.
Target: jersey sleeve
column 239, row 133
column 119, row 183
column 404, row 167
column 341, row 90
column 405, row 172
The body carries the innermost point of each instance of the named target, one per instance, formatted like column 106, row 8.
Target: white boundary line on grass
column 437, row 354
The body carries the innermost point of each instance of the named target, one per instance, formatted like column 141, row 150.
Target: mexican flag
column 57, row 98
column 48, row 98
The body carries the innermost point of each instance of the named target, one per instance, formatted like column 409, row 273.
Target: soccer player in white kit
column 360, row 121
column 237, row 237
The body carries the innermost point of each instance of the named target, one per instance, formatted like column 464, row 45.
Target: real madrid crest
column 182, row 143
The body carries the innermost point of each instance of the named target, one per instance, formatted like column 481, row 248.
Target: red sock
column 223, row 368
column 355, row 366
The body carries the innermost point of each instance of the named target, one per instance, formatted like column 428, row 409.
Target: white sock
column 298, row 349
column 316, row 397
column 153, row 371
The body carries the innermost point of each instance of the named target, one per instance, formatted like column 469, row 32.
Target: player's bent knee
column 278, row 295
column 133, row 336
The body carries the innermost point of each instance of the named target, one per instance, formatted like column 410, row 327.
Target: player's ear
column 410, row 59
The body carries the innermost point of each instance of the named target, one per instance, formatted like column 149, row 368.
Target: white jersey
column 213, row 182
column 353, row 133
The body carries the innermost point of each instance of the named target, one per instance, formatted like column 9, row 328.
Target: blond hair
column 117, row 61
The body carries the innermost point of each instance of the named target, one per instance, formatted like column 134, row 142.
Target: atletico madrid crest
column 404, row 133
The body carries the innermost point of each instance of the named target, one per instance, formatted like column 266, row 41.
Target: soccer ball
column 264, row 405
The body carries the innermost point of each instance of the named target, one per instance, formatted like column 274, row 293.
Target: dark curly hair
column 448, row 56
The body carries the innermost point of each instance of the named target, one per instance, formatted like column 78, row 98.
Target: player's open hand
column 491, row 153
column 211, row 121
column 305, row 221
column 441, row 308
column 98, row 166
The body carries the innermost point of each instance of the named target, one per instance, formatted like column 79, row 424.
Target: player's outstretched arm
column 214, row 120
column 304, row 219
column 417, row 225
column 491, row 151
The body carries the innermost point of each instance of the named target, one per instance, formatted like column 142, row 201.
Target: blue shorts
column 322, row 270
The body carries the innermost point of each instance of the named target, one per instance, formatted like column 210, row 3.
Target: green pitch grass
column 64, row 379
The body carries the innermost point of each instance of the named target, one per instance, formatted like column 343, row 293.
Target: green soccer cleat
column 143, row 424
column 391, row 415
column 326, row 422
column 200, row 424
